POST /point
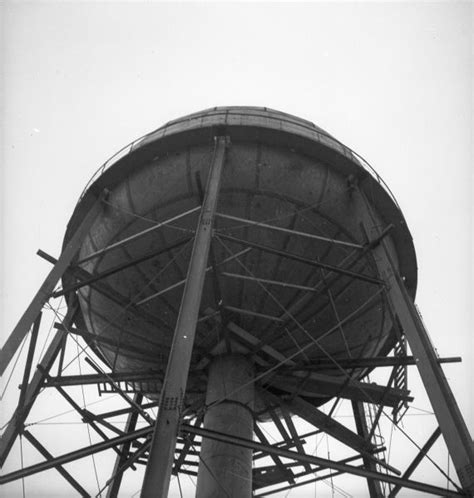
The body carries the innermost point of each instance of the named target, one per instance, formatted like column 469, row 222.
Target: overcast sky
column 391, row 80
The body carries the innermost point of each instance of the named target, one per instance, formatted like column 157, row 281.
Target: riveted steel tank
column 280, row 170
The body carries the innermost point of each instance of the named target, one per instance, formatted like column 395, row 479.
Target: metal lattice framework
column 296, row 380
column 290, row 464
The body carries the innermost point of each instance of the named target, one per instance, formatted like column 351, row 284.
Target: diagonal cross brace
column 41, row 449
column 317, row 418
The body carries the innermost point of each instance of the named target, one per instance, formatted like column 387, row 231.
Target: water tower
column 236, row 266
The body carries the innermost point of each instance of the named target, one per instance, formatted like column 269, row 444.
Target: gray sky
column 391, row 80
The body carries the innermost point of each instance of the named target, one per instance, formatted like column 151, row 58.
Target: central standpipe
column 226, row 469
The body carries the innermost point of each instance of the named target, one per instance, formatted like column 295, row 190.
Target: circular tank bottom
column 251, row 284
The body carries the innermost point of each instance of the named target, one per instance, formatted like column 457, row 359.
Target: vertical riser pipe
column 225, row 469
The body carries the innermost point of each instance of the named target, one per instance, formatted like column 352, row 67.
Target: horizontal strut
column 75, row 455
column 183, row 281
column 82, row 380
column 288, row 231
column 270, row 282
column 372, row 362
column 116, row 269
column 109, row 292
column 136, row 236
column 242, row 311
column 301, row 259
column 320, row 385
column 89, row 337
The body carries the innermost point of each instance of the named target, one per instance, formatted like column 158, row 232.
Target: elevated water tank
column 280, row 171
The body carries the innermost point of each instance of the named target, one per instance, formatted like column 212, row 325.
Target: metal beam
column 294, row 434
column 216, row 278
column 87, row 379
column 328, row 332
column 137, row 457
column 303, row 483
column 188, row 442
column 320, row 385
column 378, row 414
column 372, row 362
column 450, row 419
column 61, row 356
column 89, row 418
column 301, row 259
column 75, row 455
column 307, row 235
column 88, row 337
column 280, row 444
column 29, row 360
column 44, row 292
column 183, row 281
column 330, row 426
column 287, row 472
column 279, row 283
column 348, row 262
column 158, row 471
column 125, row 411
column 107, row 291
column 313, row 470
column 120, row 392
column 136, row 236
column 325, row 363
column 242, row 311
column 119, row 268
column 246, row 443
column 34, row 442
column 287, row 314
column 252, row 340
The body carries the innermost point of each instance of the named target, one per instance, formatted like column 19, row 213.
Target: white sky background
column 393, row 81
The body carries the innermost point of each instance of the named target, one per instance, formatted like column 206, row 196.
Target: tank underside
column 272, row 287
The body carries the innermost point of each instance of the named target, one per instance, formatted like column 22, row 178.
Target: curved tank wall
column 280, row 170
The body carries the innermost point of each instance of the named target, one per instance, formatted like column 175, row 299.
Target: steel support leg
column 158, row 471
column 450, row 419
column 29, row 360
column 44, row 293
column 225, row 469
